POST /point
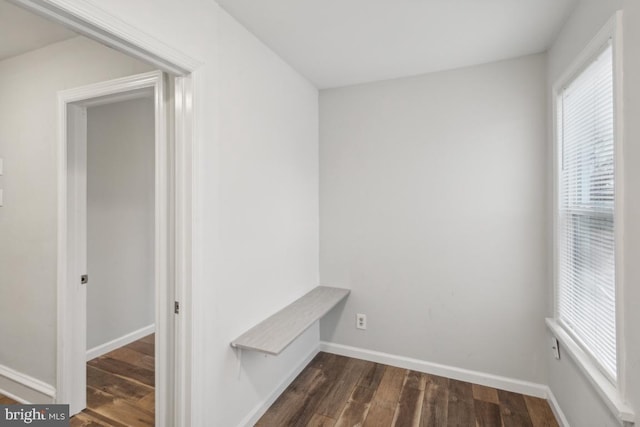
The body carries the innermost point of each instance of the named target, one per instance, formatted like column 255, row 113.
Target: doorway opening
column 115, row 196
column 183, row 251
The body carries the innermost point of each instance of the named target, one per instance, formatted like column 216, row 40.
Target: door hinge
column 176, row 307
column 84, row 279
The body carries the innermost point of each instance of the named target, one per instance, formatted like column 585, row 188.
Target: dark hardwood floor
column 339, row 391
column 120, row 387
column 332, row 391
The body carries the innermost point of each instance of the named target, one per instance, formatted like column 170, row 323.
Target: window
column 586, row 276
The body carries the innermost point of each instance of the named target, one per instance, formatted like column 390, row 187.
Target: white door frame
column 93, row 22
column 72, row 216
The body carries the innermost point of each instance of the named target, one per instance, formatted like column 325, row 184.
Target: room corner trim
column 557, row 410
column 120, row 342
column 24, row 388
column 252, row 418
column 475, row 377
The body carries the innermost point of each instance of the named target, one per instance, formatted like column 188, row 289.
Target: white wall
column 268, row 213
column 28, row 112
column 255, row 235
column 433, row 211
column 120, row 219
column 578, row 399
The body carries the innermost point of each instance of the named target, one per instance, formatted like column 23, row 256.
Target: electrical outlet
column 361, row 321
column 555, row 348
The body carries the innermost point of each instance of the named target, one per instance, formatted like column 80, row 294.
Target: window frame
column 610, row 391
column 559, row 136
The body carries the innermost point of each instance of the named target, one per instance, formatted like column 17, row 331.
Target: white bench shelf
column 274, row 334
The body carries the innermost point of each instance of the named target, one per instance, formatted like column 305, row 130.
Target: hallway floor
column 120, row 387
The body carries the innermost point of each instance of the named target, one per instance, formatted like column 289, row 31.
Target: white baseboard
column 25, row 389
column 261, row 408
column 119, row 342
column 475, row 377
column 557, row 411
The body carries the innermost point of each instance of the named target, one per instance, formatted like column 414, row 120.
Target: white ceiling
column 22, row 31
column 342, row 42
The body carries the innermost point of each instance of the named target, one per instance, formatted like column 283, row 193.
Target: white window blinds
column 586, row 283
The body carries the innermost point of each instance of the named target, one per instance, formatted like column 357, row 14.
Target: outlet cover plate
column 361, row 321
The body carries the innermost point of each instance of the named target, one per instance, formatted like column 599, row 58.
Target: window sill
column 607, row 391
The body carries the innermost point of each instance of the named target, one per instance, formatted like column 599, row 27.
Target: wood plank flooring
column 337, row 391
column 332, row 391
column 120, row 388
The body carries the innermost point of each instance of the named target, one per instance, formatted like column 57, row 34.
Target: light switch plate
column 1, row 166
column 1, row 198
